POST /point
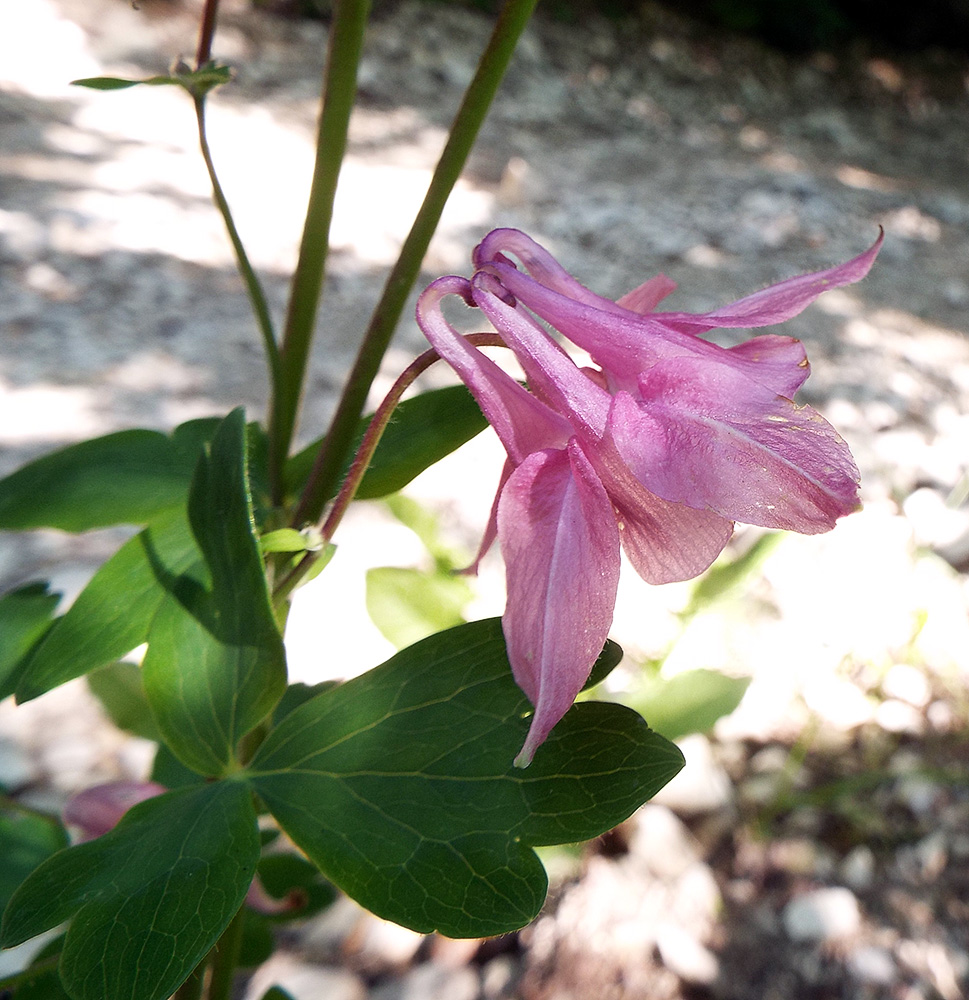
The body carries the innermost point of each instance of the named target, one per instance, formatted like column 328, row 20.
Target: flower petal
column 712, row 438
column 522, row 422
column 560, row 544
column 782, row 301
column 664, row 541
column 551, row 373
column 648, row 295
column 778, row 362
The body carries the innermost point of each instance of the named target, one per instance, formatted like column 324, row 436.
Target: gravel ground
column 816, row 844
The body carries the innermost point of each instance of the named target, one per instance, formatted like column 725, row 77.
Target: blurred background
column 817, row 844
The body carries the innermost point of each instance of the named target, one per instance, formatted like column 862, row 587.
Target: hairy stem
column 206, row 33
column 361, row 461
column 477, row 100
column 339, row 91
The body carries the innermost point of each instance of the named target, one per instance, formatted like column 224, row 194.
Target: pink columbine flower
column 660, row 449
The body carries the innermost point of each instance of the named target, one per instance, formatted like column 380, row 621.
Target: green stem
column 257, row 296
column 477, row 100
column 339, row 91
column 225, row 957
column 361, row 461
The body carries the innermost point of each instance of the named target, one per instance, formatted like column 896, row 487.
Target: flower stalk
column 467, row 123
column 339, row 93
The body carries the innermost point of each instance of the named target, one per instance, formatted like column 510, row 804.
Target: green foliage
column 690, row 702
column 124, row 478
column 149, row 899
column 114, row 612
column 197, row 82
column 215, row 664
column 119, row 688
column 399, row 784
column 26, row 840
column 25, row 615
column 423, row 430
column 409, row 604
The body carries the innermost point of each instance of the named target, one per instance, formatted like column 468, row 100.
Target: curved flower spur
column 660, row 449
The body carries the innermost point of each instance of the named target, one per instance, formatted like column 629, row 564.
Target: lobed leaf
column 113, row 614
column 124, row 478
column 25, row 615
column 215, row 664
column 399, row 784
column 147, row 900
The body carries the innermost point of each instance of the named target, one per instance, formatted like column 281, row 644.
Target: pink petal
column 625, row 344
column 782, row 301
column 522, row 422
column 712, row 439
column 561, row 549
column 99, row 808
column 551, row 373
column 648, row 295
column 777, row 362
column 664, row 541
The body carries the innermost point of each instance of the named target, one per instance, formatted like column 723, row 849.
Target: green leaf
column 113, row 613
column 196, row 82
column 257, row 943
column 408, row 605
column 169, row 771
column 147, row 900
column 124, row 478
column 277, row 993
column 423, row 430
column 119, row 688
column 25, row 615
column 215, row 664
column 690, row 702
column 724, row 578
column 400, row 786
column 25, row 841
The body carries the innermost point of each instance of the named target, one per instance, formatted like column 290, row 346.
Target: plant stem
column 339, row 92
column 225, row 957
column 477, row 100
column 206, row 33
column 257, row 296
column 361, row 461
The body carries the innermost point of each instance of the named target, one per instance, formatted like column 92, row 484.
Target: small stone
column 871, row 964
column 898, row 717
column 17, row 768
column 304, row 981
column 430, row 982
column 858, row 867
column 661, row 842
column 822, row 915
column 686, row 957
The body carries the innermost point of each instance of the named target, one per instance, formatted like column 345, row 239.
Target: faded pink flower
column 661, row 448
